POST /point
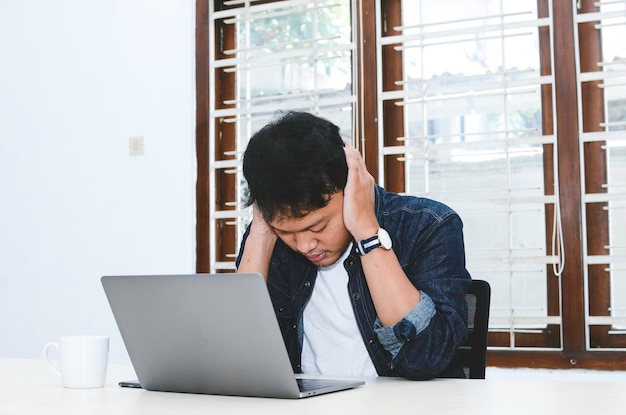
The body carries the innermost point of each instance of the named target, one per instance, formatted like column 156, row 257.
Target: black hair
column 294, row 165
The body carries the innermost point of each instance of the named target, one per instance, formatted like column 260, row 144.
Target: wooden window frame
column 574, row 353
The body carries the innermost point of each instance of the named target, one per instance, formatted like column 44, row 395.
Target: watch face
column 384, row 238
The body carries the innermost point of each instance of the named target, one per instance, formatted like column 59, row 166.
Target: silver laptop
column 207, row 333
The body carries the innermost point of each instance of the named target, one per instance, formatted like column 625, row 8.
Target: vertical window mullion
column 569, row 178
column 393, row 114
column 595, row 175
column 226, row 188
column 366, row 119
column 203, row 140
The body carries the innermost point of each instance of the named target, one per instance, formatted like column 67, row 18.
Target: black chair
column 474, row 351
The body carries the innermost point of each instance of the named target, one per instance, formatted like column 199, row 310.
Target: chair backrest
column 474, row 351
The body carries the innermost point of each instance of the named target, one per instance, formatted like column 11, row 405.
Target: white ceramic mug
column 83, row 360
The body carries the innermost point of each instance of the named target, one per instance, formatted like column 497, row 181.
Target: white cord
column 557, row 225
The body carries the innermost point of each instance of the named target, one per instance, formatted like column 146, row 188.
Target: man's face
column 320, row 235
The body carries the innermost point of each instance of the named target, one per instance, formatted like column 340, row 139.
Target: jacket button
column 294, row 327
column 307, row 284
column 356, row 296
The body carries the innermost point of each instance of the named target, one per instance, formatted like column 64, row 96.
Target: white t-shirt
column 332, row 343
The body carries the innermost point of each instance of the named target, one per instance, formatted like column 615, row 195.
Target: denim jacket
column 428, row 241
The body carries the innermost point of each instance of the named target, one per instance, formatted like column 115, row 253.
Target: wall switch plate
column 136, row 145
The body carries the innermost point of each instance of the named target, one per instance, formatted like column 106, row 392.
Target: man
column 364, row 282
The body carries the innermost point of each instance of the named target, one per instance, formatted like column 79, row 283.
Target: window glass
column 474, row 140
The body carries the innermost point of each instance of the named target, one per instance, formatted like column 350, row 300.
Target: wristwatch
column 380, row 240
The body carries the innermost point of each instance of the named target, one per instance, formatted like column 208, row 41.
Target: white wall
column 77, row 79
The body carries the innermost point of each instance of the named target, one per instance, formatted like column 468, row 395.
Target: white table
column 29, row 387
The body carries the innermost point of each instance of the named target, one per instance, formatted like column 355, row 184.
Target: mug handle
column 46, row 348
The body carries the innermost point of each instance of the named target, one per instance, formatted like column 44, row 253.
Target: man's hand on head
column 358, row 203
column 260, row 227
column 257, row 253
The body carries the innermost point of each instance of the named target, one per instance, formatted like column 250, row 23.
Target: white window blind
column 472, row 104
column 289, row 55
column 609, row 75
